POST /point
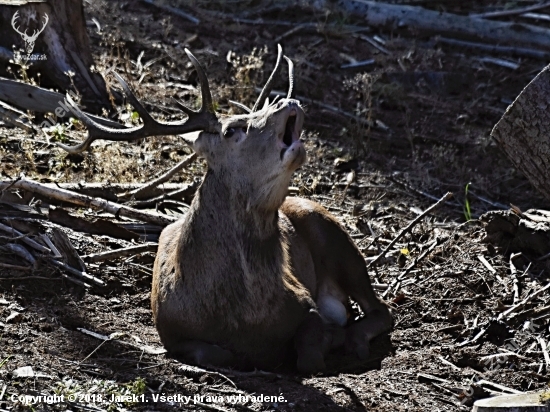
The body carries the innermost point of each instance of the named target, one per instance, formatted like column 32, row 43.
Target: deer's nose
column 287, row 103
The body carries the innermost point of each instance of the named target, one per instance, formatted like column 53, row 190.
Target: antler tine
column 205, row 87
column 13, row 20
column 269, row 84
column 291, row 91
column 240, row 106
column 143, row 113
column 204, row 119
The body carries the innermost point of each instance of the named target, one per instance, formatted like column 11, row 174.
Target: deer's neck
column 232, row 208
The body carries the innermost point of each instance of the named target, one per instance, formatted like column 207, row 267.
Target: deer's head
column 253, row 153
column 28, row 39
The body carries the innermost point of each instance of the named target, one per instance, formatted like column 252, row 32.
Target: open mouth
column 288, row 137
column 290, row 134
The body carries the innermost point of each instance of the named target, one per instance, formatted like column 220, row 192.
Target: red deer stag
column 249, row 277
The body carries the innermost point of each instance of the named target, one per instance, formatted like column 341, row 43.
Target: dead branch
column 544, row 349
column 146, row 188
column 20, row 251
column 115, row 254
column 76, row 272
column 408, row 228
column 25, row 239
column 494, row 48
column 511, row 12
column 513, row 274
column 407, row 270
column 506, row 314
column 115, row 337
column 175, row 11
column 41, row 100
column 15, row 267
column 87, row 201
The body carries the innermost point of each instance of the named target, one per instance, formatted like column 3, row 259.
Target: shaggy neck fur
column 247, row 256
column 251, row 216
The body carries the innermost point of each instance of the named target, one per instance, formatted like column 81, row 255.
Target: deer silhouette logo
column 29, row 40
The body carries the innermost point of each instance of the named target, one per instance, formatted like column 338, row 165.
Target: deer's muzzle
column 292, row 149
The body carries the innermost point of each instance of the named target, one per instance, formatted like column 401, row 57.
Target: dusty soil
column 434, row 108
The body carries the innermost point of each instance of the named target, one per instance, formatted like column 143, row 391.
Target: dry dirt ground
column 434, row 108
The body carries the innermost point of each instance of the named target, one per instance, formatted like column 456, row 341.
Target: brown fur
column 247, row 277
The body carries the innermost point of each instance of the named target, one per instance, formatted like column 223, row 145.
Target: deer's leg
column 203, row 353
column 340, row 272
column 308, row 342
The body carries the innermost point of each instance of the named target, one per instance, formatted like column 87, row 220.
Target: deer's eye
column 230, row 131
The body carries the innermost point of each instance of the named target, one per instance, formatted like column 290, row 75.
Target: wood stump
column 523, row 132
column 51, row 38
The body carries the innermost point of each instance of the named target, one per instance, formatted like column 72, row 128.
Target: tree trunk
column 53, row 34
column 523, row 132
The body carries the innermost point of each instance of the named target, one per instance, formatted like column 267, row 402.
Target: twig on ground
column 153, row 201
column 415, row 262
column 194, row 370
column 175, row 11
column 115, row 254
column 87, row 201
column 161, row 179
column 499, row 62
column 358, row 64
column 373, row 43
column 290, row 32
column 486, row 263
column 511, row 12
column 254, row 373
column 408, row 228
column 493, row 48
column 29, row 278
column 115, row 338
column 513, row 274
column 15, row 267
column 504, row 315
column 77, row 272
column 532, row 313
column 544, row 349
column 501, row 388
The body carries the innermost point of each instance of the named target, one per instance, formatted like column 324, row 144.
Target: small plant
column 58, row 133
column 2, row 363
column 362, row 84
column 467, row 211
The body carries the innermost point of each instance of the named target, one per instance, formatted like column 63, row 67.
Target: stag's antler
column 203, row 119
column 266, row 91
column 24, row 34
column 13, row 20
column 37, row 32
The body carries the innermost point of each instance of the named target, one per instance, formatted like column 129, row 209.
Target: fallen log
column 397, row 17
column 38, row 99
column 87, row 201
